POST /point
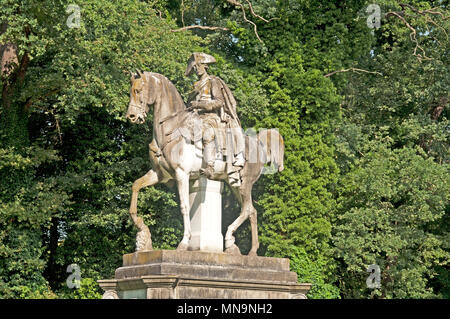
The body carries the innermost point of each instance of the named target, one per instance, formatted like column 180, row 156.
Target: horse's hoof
column 143, row 249
column 233, row 250
column 182, row 246
column 148, row 247
column 252, row 254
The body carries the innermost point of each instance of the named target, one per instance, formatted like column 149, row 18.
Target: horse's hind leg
column 247, row 210
column 254, row 225
column 143, row 237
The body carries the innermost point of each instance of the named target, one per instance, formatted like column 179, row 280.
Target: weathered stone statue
column 181, row 133
column 204, row 138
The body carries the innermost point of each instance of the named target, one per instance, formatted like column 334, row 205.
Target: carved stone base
column 167, row 274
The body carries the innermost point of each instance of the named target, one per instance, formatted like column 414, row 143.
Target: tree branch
column 439, row 107
column 31, row 101
column 16, row 75
column 423, row 12
column 238, row 4
column 256, row 15
column 159, row 13
column 356, row 70
column 412, row 36
column 199, row 27
column 182, row 13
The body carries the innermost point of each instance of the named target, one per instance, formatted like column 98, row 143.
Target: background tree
column 393, row 151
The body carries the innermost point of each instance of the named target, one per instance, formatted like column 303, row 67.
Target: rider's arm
column 212, row 105
column 209, row 106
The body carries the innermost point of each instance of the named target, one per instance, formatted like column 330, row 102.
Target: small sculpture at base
column 110, row 294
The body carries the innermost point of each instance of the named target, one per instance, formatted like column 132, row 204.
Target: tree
column 392, row 205
column 392, row 148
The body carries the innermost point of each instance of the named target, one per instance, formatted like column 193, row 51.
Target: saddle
column 192, row 125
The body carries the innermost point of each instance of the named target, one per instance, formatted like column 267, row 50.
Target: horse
column 176, row 158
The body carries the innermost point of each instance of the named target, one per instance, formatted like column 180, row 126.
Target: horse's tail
column 273, row 145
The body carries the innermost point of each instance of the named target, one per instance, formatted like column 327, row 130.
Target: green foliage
column 392, row 203
column 27, row 204
column 89, row 289
column 313, row 271
column 297, row 205
column 393, row 150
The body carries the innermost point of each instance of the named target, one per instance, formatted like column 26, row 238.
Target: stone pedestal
column 205, row 198
column 167, row 274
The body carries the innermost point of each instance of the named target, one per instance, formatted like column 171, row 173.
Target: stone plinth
column 205, row 199
column 165, row 274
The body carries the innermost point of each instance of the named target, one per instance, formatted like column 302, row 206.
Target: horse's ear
column 139, row 73
column 132, row 75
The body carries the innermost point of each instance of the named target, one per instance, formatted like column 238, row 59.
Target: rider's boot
column 235, row 177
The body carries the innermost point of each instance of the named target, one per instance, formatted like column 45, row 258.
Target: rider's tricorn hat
column 199, row 58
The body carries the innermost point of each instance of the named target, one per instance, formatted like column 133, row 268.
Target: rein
column 167, row 118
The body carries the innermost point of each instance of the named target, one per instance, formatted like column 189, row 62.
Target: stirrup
column 235, row 182
column 239, row 160
column 234, row 179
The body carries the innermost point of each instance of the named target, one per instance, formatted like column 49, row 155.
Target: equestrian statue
column 203, row 138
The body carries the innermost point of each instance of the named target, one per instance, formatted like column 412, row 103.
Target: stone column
column 205, row 198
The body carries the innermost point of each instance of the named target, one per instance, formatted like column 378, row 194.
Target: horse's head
column 141, row 97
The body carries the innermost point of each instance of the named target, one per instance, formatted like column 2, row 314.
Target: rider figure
column 212, row 97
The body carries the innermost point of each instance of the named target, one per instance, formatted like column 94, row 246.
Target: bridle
column 140, row 108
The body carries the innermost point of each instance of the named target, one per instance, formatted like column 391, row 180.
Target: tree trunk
column 13, row 115
column 50, row 271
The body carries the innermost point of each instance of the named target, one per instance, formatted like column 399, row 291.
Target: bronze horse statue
column 175, row 158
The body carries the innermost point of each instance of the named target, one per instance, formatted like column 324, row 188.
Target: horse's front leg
column 183, row 191
column 143, row 237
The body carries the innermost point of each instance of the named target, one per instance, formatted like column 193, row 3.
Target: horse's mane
column 169, row 88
